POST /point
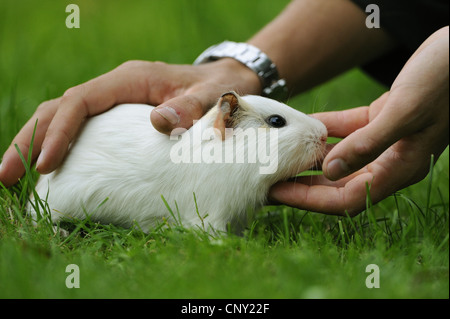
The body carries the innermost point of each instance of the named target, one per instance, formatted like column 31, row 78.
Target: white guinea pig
column 228, row 159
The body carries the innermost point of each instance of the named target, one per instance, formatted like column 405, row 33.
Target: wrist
column 231, row 73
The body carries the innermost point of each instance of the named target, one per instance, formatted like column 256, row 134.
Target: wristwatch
column 254, row 59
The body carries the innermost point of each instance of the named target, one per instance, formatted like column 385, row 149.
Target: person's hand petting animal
column 190, row 90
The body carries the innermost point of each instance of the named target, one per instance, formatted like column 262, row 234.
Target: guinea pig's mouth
column 313, row 154
column 321, row 152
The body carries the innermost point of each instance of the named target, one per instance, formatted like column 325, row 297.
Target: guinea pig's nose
column 323, row 139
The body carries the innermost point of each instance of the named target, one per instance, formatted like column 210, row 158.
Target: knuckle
column 43, row 106
column 208, row 86
column 130, row 63
column 158, row 63
column 194, row 104
column 71, row 92
column 133, row 64
column 365, row 148
column 46, row 109
column 23, row 146
column 76, row 94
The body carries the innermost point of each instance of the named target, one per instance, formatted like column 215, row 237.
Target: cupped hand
column 387, row 145
column 181, row 92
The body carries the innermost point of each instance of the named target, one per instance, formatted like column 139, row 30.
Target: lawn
column 286, row 253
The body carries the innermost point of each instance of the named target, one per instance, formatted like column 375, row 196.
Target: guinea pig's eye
column 276, row 121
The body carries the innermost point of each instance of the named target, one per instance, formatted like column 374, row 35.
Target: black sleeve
column 410, row 23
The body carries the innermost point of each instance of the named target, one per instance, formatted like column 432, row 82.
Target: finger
column 367, row 143
column 343, row 123
column 349, row 199
column 322, row 180
column 82, row 101
column 177, row 112
column 12, row 167
column 316, row 193
column 181, row 111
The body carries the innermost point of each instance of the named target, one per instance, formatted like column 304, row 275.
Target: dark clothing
column 410, row 23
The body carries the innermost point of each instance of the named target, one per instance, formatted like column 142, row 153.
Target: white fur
column 120, row 156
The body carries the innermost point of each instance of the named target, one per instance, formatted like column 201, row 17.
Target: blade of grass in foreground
column 30, row 187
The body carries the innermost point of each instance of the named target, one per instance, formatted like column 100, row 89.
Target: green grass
column 286, row 253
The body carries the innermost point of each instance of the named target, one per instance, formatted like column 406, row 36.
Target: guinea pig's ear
column 227, row 105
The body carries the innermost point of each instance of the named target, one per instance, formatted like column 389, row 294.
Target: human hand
column 182, row 92
column 387, row 145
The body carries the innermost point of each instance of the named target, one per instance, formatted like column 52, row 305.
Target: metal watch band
column 254, row 59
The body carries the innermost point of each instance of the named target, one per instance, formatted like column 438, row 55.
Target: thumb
column 181, row 111
column 359, row 149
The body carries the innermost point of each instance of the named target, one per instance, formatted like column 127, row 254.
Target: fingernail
column 337, row 168
column 169, row 114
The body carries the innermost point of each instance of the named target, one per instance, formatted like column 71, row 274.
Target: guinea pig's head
column 281, row 140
